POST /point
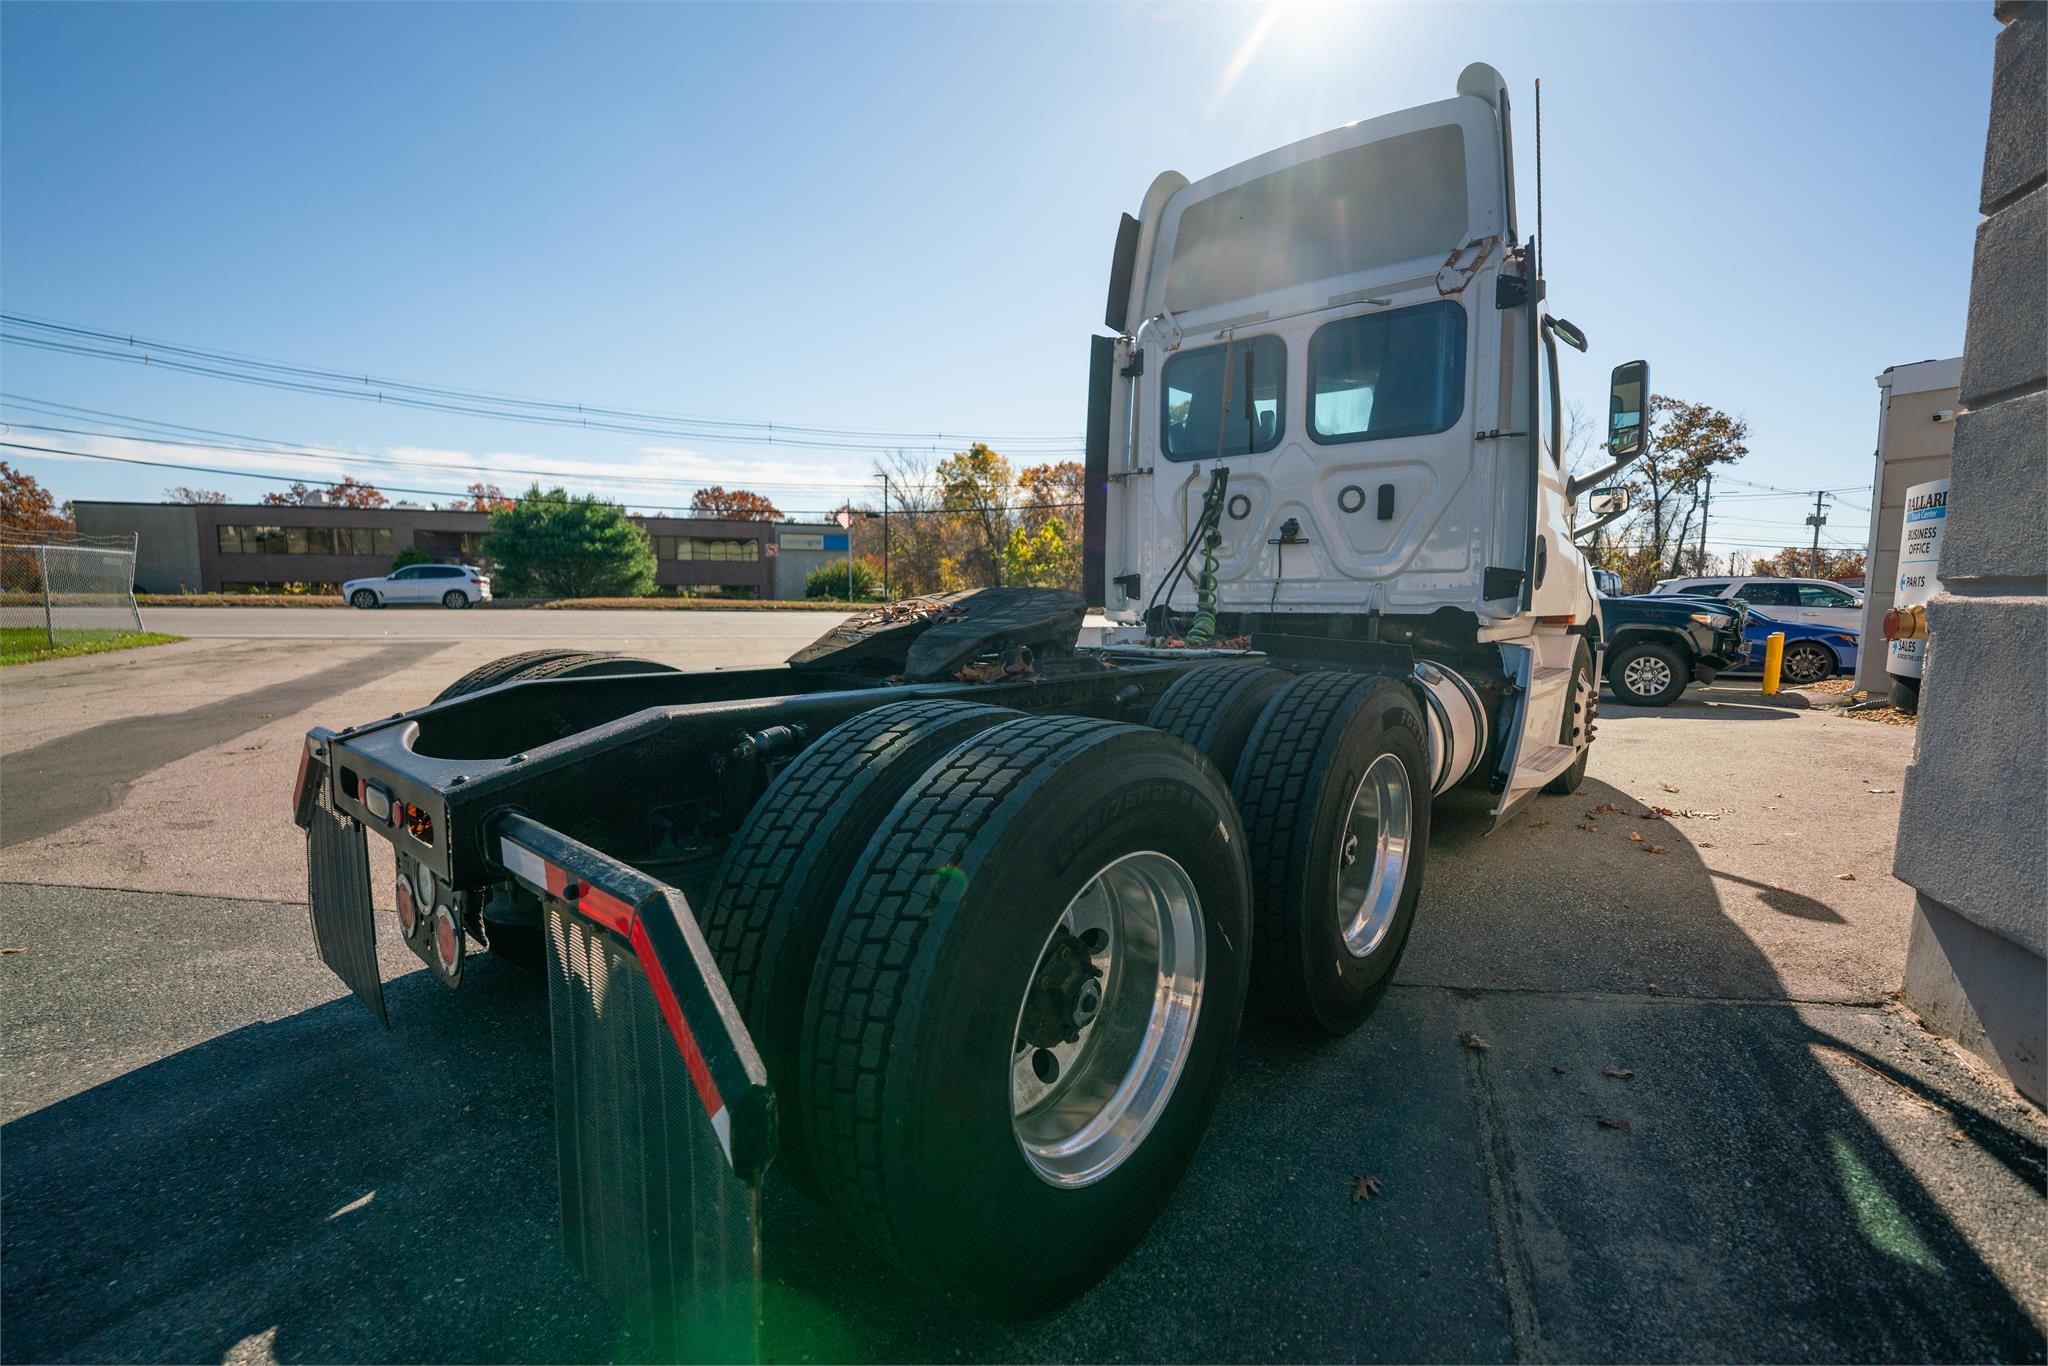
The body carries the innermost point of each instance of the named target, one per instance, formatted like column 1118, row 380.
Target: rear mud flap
column 663, row 1116
column 338, row 891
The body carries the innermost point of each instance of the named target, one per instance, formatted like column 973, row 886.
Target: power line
column 289, row 479
column 330, row 455
column 67, row 339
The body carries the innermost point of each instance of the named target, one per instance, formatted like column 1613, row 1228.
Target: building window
column 303, row 540
column 467, row 545
column 731, row 550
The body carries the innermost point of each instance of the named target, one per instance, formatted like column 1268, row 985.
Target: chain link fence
column 62, row 589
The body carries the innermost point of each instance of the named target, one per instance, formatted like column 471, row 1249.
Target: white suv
column 1810, row 600
column 451, row 585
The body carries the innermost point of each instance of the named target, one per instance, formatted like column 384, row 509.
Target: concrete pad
column 1794, row 1184
column 1747, row 901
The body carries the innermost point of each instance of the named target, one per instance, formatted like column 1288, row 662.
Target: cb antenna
column 1538, row 253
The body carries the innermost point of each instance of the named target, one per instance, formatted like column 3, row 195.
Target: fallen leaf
column 1667, row 787
column 1958, row 1136
column 1883, row 791
column 1706, row 845
column 1845, row 877
column 1474, row 1042
column 1557, row 1069
column 1653, row 989
column 1538, row 825
column 13, row 950
column 1609, row 1122
column 1655, row 849
column 1588, row 825
column 1617, row 1073
column 1364, row 1188
column 1636, row 835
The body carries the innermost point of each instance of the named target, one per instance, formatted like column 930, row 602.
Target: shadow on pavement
column 328, row 1191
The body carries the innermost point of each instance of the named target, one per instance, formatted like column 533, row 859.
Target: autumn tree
column 1659, row 537
column 26, row 505
column 1796, row 562
column 181, row 494
column 733, row 505
column 481, row 498
column 349, row 493
column 974, row 485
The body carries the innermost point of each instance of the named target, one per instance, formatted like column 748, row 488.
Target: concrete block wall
column 1973, row 824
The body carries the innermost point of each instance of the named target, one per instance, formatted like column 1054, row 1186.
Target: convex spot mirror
column 1628, row 397
column 1607, row 502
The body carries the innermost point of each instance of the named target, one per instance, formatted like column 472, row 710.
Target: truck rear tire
column 1334, row 788
column 1214, row 708
column 768, row 907
column 1054, row 875
column 530, row 664
column 1647, row 675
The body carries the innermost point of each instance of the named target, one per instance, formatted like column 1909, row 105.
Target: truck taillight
column 419, row 824
column 408, row 909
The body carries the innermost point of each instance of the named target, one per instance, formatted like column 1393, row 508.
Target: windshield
column 1368, row 206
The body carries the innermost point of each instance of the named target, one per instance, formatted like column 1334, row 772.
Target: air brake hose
column 1208, row 529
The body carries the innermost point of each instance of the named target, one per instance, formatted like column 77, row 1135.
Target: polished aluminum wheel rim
column 1080, row 1108
column 1372, row 856
column 1807, row 664
column 1646, row 676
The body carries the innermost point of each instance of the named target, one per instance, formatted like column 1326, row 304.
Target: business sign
column 812, row 540
column 1919, row 563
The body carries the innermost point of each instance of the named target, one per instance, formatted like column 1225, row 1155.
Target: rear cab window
column 1203, row 409
column 1379, row 375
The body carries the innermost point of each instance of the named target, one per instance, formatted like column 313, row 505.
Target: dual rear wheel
column 995, row 963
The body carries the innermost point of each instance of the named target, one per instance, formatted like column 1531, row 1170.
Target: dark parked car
column 1657, row 645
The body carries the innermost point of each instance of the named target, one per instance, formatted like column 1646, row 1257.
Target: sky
column 898, row 218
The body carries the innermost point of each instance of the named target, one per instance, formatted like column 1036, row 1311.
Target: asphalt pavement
column 1632, row 1098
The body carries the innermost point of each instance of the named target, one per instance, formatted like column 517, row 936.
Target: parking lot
column 1641, row 1091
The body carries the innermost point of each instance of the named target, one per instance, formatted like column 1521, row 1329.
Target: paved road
column 212, row 1153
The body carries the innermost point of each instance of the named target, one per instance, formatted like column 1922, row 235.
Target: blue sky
column 899, row 216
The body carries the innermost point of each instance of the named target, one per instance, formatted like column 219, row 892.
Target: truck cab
column 1351, row 334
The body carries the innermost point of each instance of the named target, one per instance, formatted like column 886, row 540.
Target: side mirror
column 1608, row 502
column 1628, row 397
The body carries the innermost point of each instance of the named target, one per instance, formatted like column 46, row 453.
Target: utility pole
column 1818, row 520
column 885, row 540
column 1706, row 501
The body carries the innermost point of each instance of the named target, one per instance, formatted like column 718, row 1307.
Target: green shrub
column 845, row 580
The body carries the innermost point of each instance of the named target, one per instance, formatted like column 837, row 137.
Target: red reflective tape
column 606, row 909
column 299, row 787
column 672, row 1011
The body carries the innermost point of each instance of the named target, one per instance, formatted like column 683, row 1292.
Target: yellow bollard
column 1774, row 660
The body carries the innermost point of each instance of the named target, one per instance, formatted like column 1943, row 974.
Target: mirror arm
column 1591, row 527
column 1579, row 483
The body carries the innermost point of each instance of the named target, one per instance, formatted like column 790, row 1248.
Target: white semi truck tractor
column 953, row 918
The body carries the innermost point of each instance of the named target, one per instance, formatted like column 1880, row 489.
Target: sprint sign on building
column 1919, row 563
